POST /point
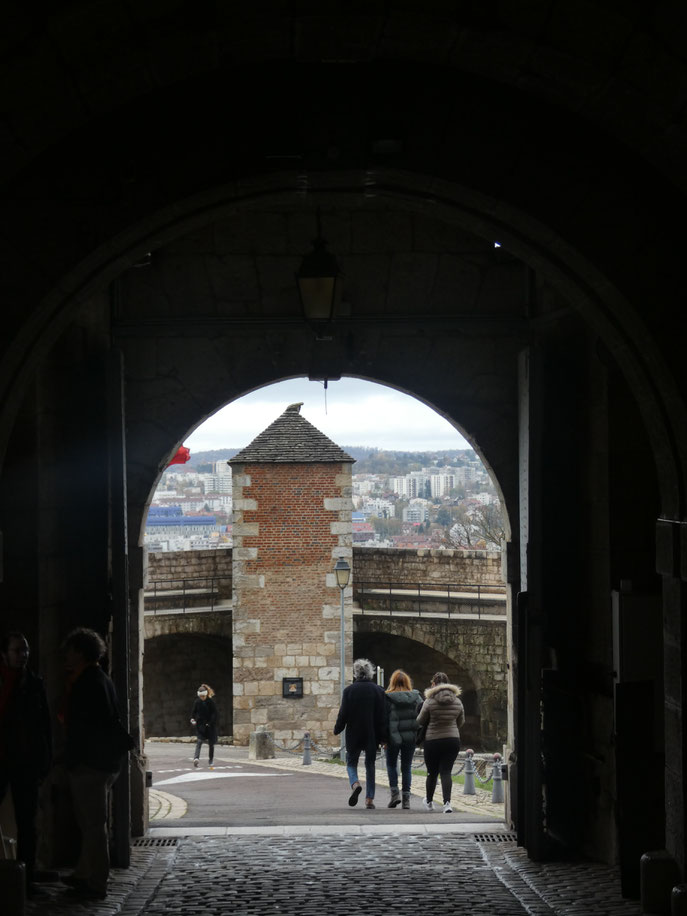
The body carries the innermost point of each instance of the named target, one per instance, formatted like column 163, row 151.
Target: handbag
column 420, row 734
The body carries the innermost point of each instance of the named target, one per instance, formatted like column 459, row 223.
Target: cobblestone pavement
column 441, row 872
column 438, row 867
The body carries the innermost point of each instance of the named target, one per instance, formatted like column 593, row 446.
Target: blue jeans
column 352, row 768
column 392, row 751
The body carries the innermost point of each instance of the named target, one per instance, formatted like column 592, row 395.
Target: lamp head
column 342, row 571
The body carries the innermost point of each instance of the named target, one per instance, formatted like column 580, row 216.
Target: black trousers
column 22, row 781
column 211, row 746
column 440, row 755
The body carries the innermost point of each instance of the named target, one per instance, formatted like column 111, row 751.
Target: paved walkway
column 437, row 867
column 165, row 806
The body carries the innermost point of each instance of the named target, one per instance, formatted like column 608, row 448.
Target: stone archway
column 477, row 662
column 470, row 366
column 174, row 664
column 545, row 221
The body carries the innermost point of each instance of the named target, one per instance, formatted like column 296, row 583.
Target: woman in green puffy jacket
column 402, row 706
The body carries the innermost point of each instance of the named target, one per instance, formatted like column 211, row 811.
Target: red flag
column 183, row 454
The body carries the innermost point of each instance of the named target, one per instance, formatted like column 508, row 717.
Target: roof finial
column 296, row 407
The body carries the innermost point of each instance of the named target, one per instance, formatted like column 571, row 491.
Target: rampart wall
column 434, row 567
column 370, row 564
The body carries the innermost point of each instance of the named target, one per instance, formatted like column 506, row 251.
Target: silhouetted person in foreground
column 25, row 743
column 362, row 714
column 91, row 758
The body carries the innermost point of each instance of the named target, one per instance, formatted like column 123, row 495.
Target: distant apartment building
column 411, row 485
column 417, row 512
column 442, row 484
column 382, row 508
column 468, row 474
column 400, row 486
column 363, row 486
column 220, row 479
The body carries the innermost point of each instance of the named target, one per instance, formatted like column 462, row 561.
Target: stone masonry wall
column 193, row 564
column 478, row 647
column 436, row 567
column 291, row 522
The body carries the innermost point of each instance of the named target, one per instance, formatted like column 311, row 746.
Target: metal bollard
column 497, row 777
column 306, row 750
column 469, row 788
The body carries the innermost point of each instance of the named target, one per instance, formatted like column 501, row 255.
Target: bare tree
column 477, row 526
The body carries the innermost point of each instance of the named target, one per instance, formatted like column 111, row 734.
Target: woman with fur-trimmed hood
column 443, row 714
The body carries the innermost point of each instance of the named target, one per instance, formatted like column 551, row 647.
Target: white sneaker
column 195, row 762
column 447, row 808
column 429, row 805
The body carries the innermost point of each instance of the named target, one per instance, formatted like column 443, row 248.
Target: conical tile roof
column 291, row 439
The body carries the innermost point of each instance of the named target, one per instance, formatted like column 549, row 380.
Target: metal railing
column 424, row 593
column 179, row 593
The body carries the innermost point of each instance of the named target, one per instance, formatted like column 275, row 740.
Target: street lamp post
column 342, row 571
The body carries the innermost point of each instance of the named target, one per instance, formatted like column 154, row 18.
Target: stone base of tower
column 258, row 690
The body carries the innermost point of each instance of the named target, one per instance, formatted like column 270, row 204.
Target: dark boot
column 395, row 798
column 406, row 800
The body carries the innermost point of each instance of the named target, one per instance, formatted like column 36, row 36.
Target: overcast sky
column 358, row 413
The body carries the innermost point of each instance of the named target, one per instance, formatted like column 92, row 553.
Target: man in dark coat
column 25, row 743
column 362, row 714
column 92, row 757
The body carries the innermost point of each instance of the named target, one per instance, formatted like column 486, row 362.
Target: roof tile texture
column 291, row 439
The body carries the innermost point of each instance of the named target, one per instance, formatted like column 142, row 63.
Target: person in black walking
column 362, row 714
column 444, row 715
column 25, row 744
column 204, row 717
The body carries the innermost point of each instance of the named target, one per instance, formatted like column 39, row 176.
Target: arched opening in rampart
column 174, row 665
column 473, row 572
column 421, row 661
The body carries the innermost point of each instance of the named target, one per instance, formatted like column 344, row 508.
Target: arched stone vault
column 478, row 652
column 557, row 130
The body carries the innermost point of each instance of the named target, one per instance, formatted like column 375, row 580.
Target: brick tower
column 292, row 519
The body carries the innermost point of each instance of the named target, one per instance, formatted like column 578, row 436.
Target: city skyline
column 355, row 413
